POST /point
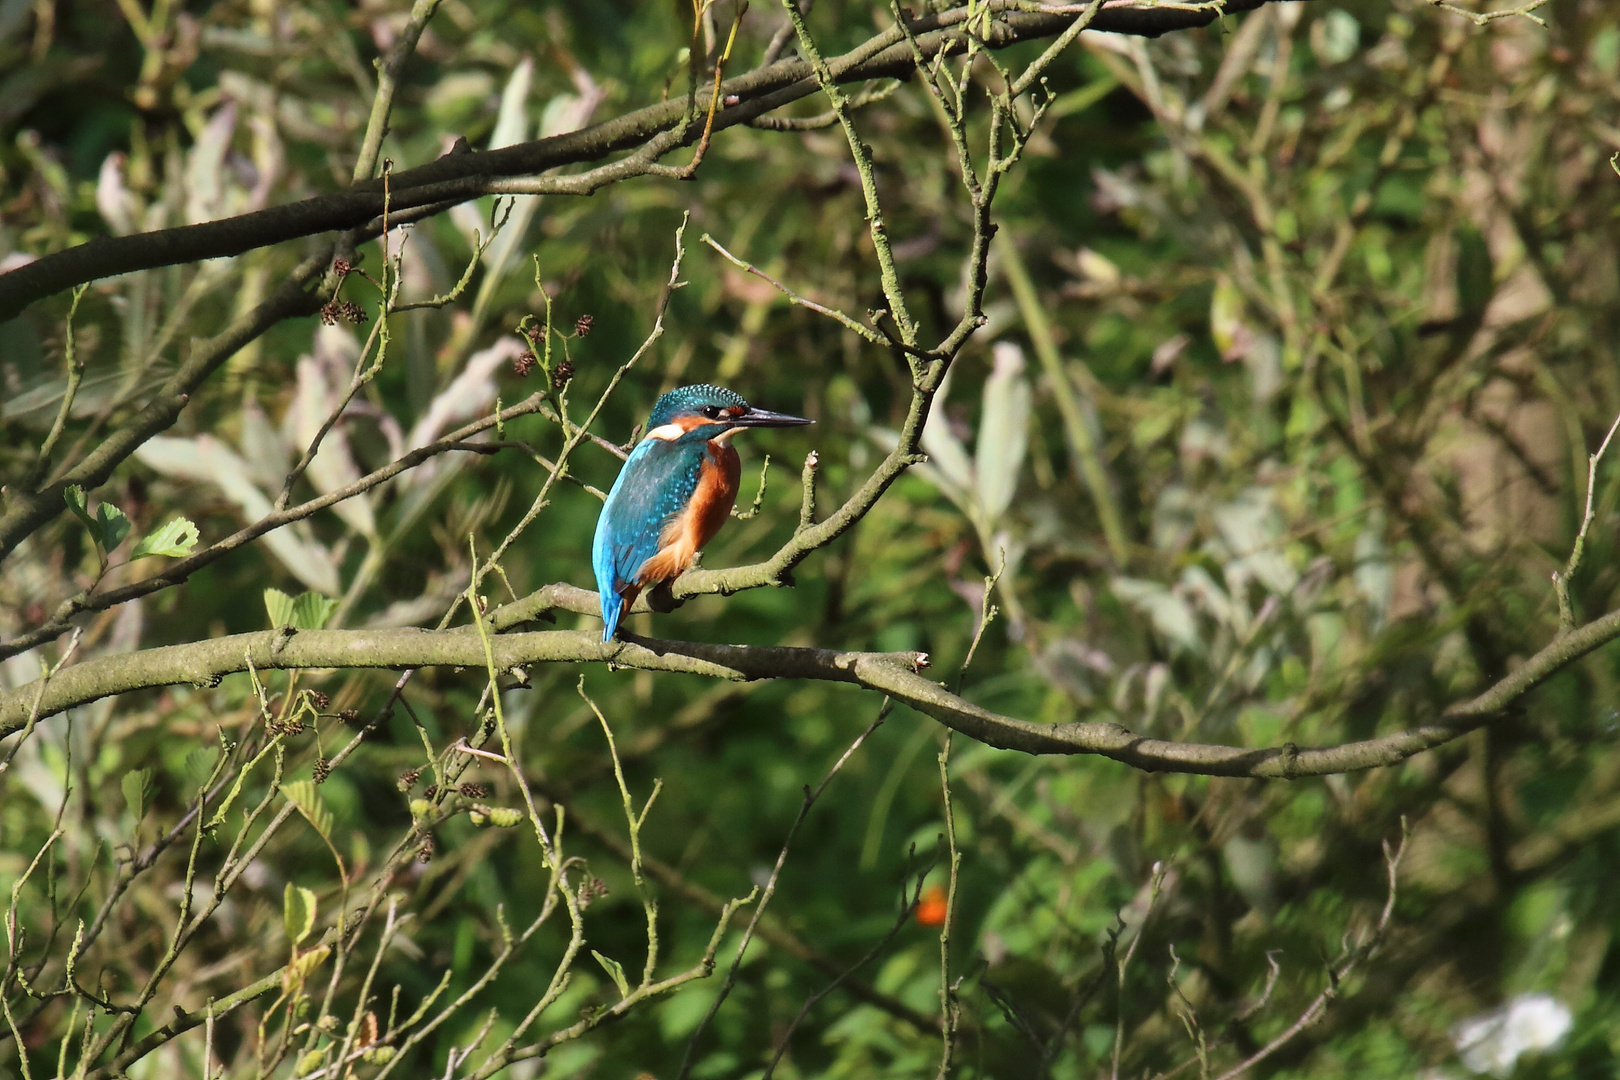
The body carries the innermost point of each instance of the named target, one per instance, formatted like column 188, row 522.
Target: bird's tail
column 612, row 608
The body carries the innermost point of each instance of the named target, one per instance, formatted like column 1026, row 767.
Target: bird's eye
column 712, row 411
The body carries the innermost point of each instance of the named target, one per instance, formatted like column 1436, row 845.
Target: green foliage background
column 1335, row 288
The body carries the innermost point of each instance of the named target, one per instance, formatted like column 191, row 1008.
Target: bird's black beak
column 765, row 418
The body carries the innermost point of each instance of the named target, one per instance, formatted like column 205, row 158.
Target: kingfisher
column 674, row 492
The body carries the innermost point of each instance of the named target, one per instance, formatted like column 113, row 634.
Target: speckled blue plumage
column 654, row 485
column 686, row 400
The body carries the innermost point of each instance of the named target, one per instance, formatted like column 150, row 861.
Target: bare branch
column 895, row 674
column 458, row 177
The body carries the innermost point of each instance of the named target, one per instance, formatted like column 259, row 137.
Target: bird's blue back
column 654, row 485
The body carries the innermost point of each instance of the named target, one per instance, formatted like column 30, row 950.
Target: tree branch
column 204, row 663
column 458, row 177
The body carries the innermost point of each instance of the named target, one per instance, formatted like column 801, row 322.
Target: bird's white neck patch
column 725, row 436
column 666, row 432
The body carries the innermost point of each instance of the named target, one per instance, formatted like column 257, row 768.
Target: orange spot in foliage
column 931, row 908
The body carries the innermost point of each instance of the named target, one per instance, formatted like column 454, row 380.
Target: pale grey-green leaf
column 1003, row 432
column 1168, row 612
column 945, row 451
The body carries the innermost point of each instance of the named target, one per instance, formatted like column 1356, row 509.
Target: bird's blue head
column 702, row 412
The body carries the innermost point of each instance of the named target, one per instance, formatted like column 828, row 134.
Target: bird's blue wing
column 655, row 484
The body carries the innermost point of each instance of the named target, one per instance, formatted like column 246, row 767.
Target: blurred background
column 1301, row 328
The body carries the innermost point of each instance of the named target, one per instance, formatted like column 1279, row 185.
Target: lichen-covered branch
column 204, row 663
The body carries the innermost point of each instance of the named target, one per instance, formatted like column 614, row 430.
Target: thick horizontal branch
column 458, row 177
column 204, row 663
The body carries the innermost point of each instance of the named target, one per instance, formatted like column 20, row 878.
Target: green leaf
column 137, row 788
column 174, row 540
column 305, row 964
column 302, row 794
column 311, row 610
column 73, row 495
column 280, row 607
column 108, row 526
column 298, row 912
column 308, row 612
column 111, row 525
column 615, row 972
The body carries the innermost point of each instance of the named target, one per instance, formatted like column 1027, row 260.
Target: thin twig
column 1561, row 579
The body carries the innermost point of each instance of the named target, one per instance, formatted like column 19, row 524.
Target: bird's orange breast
column 686, row 533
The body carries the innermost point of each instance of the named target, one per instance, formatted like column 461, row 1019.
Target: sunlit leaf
column 174, row 539
column 304, row 965
column 298, row 908
column 311, row 610
column 279, row 606
column 307, row 611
